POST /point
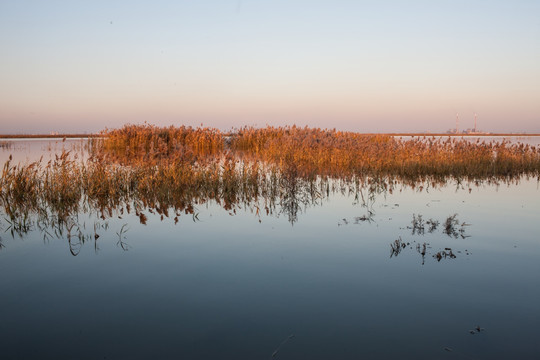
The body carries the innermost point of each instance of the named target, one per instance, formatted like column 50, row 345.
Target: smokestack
column 457, row 123
column 474, row 122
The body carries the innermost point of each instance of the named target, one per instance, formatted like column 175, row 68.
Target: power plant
column 466, row 131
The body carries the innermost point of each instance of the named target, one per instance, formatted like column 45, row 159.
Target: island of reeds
column 172, row 170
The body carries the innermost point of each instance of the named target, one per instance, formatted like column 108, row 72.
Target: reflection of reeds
column 397, row 246
column 453, row 228
column 122, row 237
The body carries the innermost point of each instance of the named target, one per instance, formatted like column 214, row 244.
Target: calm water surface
column 256, row 286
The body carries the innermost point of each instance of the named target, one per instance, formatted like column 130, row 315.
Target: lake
column 431, row 271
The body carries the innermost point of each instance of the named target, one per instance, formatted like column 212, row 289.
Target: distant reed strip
column 331, row 152
column 5, row 144
column 316, row 152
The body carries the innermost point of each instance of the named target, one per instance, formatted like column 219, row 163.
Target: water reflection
column 451, row 227
column 66, row 199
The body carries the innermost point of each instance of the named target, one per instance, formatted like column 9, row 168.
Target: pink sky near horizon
column 360, row 66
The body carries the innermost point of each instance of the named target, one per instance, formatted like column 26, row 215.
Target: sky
column 365, row 66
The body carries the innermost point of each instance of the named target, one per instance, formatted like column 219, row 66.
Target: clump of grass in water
column 417, row 225
column 397, row 246
column 447, row 252
column 453, row 228
column 433, row 225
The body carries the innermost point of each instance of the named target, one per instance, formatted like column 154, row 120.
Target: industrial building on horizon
column 466, row 131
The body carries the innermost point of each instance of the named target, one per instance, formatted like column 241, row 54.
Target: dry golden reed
column 171, row 170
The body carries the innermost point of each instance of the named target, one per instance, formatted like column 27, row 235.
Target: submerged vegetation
column 170, row 171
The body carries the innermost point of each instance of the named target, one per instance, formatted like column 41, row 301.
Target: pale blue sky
column 354, row 65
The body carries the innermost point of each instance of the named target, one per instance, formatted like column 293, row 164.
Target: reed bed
column 336, row 153
column 56, row 191
column 170, row 171
column 151, row 144
column 312, row 152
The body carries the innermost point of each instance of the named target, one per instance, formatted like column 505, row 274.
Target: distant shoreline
column 48, row 136
column 72, row 136
column 460, row 135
